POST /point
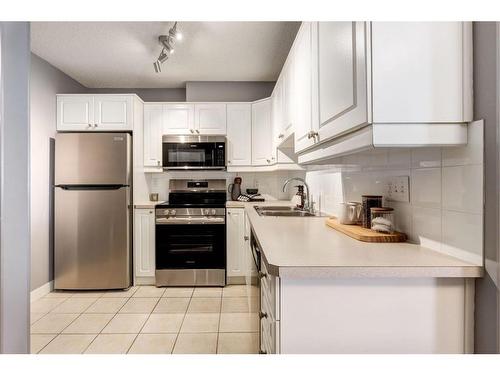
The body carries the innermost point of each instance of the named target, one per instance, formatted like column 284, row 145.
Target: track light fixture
column 167, row 43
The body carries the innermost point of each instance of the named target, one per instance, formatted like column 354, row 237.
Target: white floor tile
column 89, row 323
column 139, row 305
column 126, row 323
column 163, row 323
column 207, row 292
column 239, row 322
column 200, row 323
column 105, row 305
column 74, row 305
column 196, row 343
column 153, row 343
column 204, row 305
column 172, row 305
column 240, row 304
column 149, row 291
column 238, row 343
column 46, row 304
column 53, row 323
column 39, row 341
column 68, row 344
column 178, row 292
column 116, row 343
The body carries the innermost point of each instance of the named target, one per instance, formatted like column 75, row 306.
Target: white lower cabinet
column 235, row 224
column 270, row 312
column 144, row 242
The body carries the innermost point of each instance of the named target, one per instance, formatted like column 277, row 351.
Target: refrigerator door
column 92, row 239
column 92, row 159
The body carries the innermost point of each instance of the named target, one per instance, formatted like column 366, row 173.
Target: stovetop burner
column 196, row 193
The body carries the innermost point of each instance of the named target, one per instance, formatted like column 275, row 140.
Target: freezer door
column 92, row 158
column 92, row 239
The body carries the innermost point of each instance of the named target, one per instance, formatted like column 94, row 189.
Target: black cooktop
column 213, row 199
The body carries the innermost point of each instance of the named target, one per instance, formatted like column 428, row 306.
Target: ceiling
column 121, row 54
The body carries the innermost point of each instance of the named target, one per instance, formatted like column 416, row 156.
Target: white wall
column 46, row 81
column 14, row 187
column 445, row 211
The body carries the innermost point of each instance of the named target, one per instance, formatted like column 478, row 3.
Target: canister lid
column 381, row 209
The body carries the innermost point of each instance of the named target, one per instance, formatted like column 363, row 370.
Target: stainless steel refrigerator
column 92, row 211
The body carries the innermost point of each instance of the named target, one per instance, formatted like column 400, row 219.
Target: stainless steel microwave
column 188, row 152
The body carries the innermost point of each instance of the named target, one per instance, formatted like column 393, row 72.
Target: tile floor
column 148, row 320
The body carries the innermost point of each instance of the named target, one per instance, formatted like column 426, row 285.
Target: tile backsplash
column 445, row 211
column 269, row 183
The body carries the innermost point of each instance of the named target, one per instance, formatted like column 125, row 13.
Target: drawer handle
column 262, row 275
column 262, row 315
column 246, row 238
column 262, row 352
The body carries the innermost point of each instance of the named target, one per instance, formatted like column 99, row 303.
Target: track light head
column 157, row 66
column 167, row 42
column 163, row 56
column 174, row 33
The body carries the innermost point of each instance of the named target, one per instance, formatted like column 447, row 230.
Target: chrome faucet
column 308, row 207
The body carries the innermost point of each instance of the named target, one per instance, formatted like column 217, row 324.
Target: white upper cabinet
column 422, row 72
column 75, row 112
column 153, row 127
column 95, row 112
column 277, row 113
column 303, row 90
column 262, row 143
column 179, row 119
column 239, row 134
column 113, row 112
column 210, row 118
column 340, row 61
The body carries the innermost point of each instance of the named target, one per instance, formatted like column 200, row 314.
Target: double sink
column 282, row 211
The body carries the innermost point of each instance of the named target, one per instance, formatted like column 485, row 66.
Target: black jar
column 369, row 201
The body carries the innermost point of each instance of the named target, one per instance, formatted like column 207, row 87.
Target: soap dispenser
column 299, row 198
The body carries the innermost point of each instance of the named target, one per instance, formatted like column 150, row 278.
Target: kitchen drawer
column 269, row 290
column 269, row 332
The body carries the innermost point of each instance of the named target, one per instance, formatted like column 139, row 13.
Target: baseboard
column 42, row 291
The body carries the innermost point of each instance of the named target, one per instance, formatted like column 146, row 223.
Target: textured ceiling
column 121, row 54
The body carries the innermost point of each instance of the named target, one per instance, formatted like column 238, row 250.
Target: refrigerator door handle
column 91, row 187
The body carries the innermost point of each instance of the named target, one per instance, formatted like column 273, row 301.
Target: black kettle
column 235, row 188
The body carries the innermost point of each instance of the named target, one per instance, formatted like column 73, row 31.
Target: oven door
column 190, row 246
column 202, row 153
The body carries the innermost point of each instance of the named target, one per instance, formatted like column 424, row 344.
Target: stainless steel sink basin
column 282, row 211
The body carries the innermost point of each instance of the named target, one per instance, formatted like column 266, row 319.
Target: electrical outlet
column 398, row 189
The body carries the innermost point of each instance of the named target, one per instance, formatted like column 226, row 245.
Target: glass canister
column 382, row 219
column 369, row 201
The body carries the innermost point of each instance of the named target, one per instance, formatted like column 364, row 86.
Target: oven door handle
column 161, row 221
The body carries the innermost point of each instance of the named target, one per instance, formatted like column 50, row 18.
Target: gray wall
column 486, row 107
column 149, row 95
column 228, row 91
column 46, row 81
column 14, row 187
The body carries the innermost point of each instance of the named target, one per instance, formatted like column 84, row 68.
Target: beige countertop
column 147, row 204
column 298, row 247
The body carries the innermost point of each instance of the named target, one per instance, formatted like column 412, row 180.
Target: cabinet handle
column 90, row 125
column 150, row 212
column 191, row 130
column 229, row 162
column 262, row 352
column 262, row 315
column 268, row 161
column 281, row 136
column 246, row 238
column 158, row 162
column 197, row 131
column 95, row 125
column 262, row 275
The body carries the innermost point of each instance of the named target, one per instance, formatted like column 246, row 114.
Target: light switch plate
column 398, row 189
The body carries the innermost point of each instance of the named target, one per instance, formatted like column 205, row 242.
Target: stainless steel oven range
column 191, row 234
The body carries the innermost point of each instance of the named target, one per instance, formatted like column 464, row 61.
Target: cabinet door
column 144, row 242
column 179, row 119
column 153, row 127
column 251, row 268
column 303, row 81
column 113, row 112
column 420, row 72
column 75, row 112
column 239, row 134
column 235, row 242
column 210, row 118
column 277, row 114
column 262, row 144
column 340, row 68
column 288, row 94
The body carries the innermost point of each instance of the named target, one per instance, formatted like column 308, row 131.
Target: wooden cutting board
column 363, row 234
